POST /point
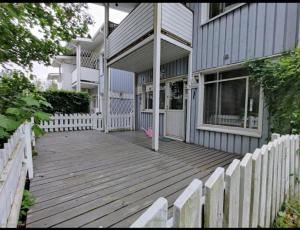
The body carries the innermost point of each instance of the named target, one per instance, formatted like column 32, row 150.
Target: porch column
column 189, row 99
column 156, row 74
column 106, row 107
column 78, row 66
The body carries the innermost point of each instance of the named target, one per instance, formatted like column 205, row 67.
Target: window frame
column 205, row 12
column 222, row 128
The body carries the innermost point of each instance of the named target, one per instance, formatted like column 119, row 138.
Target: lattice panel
column 121, row 106
column 89, row 59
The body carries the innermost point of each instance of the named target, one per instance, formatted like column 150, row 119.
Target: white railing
column 15, row 162
column 121, row 121
column 248, row 194
column 70, row 122
column 86, row 74
column 233, row 120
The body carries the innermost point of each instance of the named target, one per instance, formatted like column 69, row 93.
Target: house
column 82, row 70
column 190, row 81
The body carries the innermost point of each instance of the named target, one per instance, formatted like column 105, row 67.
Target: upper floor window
column 218, row 8
column 211, row 10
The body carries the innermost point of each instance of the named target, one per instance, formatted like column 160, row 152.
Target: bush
column 63, row 101
column 280, row 80
column 19, row 101
column 289, row 215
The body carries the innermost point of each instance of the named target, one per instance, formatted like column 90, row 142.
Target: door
column 175, row 127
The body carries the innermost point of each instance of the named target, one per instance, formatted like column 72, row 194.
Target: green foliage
column 289, row 215
column 63, row 101
column 27, row 201
column 56, row 22
column 19, row 101
column 279, row 78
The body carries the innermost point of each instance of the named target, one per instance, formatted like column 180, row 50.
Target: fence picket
column 255, row 187
column 214, row 198
column 263, row 186
column 245, row 190
column 155, row 216
column 231, row 199
column 269, row 185
column 187, row 208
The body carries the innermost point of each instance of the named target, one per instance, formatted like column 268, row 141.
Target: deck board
column 92, row 179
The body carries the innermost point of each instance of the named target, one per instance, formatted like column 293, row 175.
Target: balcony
column 176, row 23
column 88, row 77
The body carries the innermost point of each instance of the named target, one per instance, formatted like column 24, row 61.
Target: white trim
column 205, row 13
column 126, row 53
column 156, row 73
column 189, row 101
column 78, row 67
column 231, row 130
column 227, row 129
column 175, row 42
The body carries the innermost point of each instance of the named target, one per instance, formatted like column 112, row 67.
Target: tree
column 57, row 22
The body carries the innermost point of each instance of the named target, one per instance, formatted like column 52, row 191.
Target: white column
column 156, row 75
column 134, row 101
column 106, row 107
column 189, row 99
column 78, row 66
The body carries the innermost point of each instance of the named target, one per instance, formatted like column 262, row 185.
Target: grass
column 27, row 201
column 289, row 215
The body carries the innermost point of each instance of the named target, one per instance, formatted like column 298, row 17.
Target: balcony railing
column 86, row 75
column 176, row 22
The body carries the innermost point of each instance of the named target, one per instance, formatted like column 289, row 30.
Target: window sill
column 150, row 111
column 222, row 14
column 231, row 130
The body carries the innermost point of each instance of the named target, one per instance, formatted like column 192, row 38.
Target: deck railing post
column 28, row 158
column 156, row 74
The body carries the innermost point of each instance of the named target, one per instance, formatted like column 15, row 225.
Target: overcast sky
column 97, row 12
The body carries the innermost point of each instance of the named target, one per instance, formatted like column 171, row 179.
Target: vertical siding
column 145, row 121
column 121, row 81
column 250, row 31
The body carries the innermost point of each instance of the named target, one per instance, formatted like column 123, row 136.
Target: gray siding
column 222, row 141
column 134, row 26
column 250, row 31
column 121, row 81
column 169, row 70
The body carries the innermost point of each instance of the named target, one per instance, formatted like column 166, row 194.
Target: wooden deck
column 92, row 179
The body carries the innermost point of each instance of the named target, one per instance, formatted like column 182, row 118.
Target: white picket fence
column 248, row 194
column 15, row 162
column 121, row 121
column 72, row 122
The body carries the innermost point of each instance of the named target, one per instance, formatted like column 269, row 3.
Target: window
column 218, row 8
column 231, row 99
column 211, row 10
column 176, row 95
column 148, row 97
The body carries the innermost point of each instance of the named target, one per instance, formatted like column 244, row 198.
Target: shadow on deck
column 92, row 179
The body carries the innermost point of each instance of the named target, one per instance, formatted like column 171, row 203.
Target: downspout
column 78, row 66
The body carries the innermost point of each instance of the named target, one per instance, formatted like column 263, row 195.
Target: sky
column 97, row 12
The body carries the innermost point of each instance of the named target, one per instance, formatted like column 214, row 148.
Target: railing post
column 28, row 158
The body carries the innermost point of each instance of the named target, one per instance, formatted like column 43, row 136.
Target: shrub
column 19, row 101
column 63, row 101
column 280, row 80
column 289, row 215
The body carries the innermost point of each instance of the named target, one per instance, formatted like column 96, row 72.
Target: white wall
column 66, row 73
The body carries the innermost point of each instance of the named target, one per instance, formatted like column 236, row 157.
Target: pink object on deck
column 148, row 132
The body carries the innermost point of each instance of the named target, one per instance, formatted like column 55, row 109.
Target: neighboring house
column 205, row 94
column 84, row 72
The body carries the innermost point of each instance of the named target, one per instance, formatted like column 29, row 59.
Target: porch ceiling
column 141, row 59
